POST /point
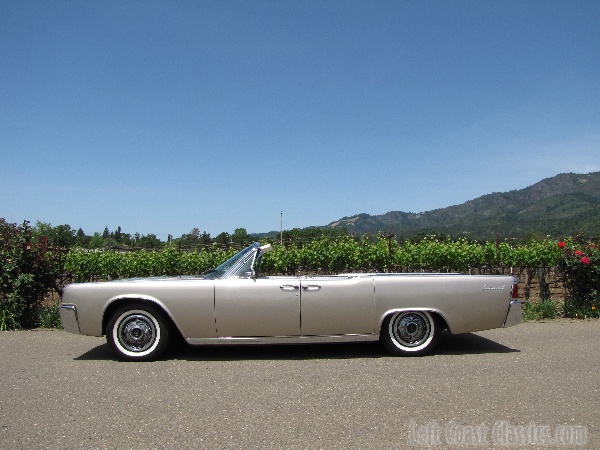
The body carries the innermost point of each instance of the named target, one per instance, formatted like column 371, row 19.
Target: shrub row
column 433, row 255
column 83, row 265
column 322, row 256
column 578, row 262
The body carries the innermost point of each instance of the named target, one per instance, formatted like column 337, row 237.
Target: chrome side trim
column 283, row 339
column 68, row 317
column 514, row 316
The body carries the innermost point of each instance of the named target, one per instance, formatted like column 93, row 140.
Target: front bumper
column 68, row 317
column 514, row 316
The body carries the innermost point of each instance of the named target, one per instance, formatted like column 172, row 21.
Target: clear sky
column 164, row 116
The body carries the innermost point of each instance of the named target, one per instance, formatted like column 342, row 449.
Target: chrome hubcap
column 137, row 333
column 411, row 329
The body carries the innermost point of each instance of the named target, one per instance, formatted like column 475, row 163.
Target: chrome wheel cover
column 411, row 329
column 136, row 332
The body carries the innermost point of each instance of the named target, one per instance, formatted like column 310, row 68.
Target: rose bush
column 580, row 267
column 29, row 270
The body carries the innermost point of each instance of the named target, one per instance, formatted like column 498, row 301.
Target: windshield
column 238, row 263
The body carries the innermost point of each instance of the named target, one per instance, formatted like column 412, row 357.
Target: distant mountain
column 559, row 206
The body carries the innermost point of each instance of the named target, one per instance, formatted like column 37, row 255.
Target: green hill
column 559, row 206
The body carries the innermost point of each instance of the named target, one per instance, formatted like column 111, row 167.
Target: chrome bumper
column 68, row 317
column 514, row 315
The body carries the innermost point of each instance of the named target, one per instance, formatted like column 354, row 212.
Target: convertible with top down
column 234, row 304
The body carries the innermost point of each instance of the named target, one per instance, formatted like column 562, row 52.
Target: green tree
column 222, row 239
column 149, row 241
column 96, row 241
column 241, row 237
column 191, row 239
column 117, row 235
column 81, row 239
column 60, row 236
column 205, row 239
column 126, row 239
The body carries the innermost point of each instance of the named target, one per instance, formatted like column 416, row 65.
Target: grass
column 49, row 317
column 8, row 321
column 544, row 309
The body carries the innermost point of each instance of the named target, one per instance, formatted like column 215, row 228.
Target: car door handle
column 289, row 287
column 311, row 287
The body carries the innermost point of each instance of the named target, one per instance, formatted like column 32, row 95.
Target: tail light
column 515, row 290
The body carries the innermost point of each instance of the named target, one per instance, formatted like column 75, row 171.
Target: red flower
column 561, row 244
column 585, row 260
column 578, row 253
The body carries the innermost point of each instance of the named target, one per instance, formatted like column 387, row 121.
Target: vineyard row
column 323, row 257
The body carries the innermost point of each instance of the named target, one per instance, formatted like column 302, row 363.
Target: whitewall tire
column 410, row 333
column 138, row 332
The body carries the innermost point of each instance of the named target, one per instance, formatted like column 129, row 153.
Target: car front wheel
column 138, row 333
column 410, row 333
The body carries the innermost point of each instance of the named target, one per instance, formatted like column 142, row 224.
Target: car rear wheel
column 138, row 333
column 410, row 333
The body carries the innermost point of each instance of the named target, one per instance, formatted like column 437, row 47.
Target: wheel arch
column 120, row 301
column 436, row 314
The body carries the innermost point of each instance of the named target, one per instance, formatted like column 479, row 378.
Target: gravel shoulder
column 60, row 390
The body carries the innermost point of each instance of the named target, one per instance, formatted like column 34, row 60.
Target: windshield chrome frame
column 235, row 263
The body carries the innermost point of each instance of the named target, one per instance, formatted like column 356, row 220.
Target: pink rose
column 585, row 260
column 578, row 253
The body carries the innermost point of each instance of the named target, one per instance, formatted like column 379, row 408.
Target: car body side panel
column 253, row 307
column 189, row 302
column 270, row 306
column 191, row 306
column 467, row 302
column 337, row 305
column 89, row 306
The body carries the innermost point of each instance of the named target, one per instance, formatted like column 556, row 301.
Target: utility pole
column 281, row 232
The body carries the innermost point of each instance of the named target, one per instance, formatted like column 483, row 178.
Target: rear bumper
column 68, row 317
column 514, row 315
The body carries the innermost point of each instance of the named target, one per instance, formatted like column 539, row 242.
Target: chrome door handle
column 311, row 287
column 289, row 287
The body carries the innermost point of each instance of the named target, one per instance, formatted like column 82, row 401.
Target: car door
column 257, row 307
column 337, row 305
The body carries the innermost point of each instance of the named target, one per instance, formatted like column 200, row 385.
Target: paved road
column 59, row 390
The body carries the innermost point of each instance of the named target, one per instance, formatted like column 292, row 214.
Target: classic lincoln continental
column 234, row 304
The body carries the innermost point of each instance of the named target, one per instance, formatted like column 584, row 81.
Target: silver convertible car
column 233, row 304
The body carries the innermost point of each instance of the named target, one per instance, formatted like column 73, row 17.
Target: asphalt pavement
column 534, row 385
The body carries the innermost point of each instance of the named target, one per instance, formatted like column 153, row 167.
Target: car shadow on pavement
column 461, row 344
column 469, row 344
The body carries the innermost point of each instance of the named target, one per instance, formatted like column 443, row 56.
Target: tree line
column 67, row 237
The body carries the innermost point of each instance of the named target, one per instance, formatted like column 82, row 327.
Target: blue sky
column 164, row 116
